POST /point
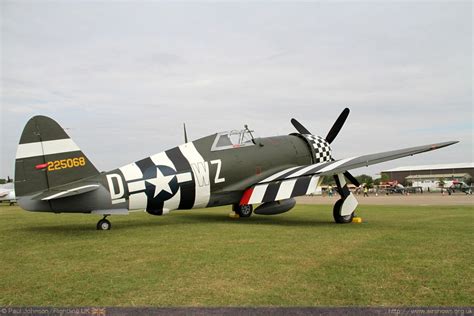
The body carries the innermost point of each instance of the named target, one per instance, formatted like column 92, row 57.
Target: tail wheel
column 104, row 224
column 243, row 210
column 336, row 212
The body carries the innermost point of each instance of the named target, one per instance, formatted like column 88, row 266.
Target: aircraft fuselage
column 185, row 177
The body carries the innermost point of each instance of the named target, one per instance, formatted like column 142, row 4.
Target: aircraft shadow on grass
column 189, row 219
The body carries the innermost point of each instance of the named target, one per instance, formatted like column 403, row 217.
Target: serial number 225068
column 66, row 163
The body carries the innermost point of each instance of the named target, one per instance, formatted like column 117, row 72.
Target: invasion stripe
column 310, row 170
column 335, row 164
column 188, row 190
column 173, row 203
column 257, row 194
column 301, row 186
column 45, row 148
column 279, row 174
column 302, row 171
column 286, row 188
column 137, row 201
column 271, row 192
column 131, row 172
column 317, row 168
column 312, row 185
column 161, row 159
column 200, row 169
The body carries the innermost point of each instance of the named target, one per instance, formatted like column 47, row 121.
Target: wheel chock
column 234, row 215
column 357, row 220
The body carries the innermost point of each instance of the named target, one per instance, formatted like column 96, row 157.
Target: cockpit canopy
column 233, row 139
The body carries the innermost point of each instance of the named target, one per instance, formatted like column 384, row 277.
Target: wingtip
column 452, row 142
column 444, row 144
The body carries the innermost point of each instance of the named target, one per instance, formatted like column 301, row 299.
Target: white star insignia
column 161, row 183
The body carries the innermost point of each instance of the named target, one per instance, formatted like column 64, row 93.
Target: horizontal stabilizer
column 66, row 191
column 117, row 211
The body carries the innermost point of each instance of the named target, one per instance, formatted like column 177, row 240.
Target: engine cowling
column 320, row 149
column 275, row 207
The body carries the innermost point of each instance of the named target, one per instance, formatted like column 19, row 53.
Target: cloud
column 130, row 73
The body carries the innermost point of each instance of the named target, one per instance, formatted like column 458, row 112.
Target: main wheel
column 104, row 224
column 243, row 210
column 336, row 213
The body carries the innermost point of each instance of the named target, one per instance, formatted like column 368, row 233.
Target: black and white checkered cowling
column 321, row 149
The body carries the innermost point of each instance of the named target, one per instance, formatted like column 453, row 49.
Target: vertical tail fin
column 47, row 157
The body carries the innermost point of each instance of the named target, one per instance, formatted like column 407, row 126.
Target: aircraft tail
column 47, row 157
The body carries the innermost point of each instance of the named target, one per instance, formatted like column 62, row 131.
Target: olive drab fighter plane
column 231, row 168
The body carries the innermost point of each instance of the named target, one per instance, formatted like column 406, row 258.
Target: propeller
column 333, row 132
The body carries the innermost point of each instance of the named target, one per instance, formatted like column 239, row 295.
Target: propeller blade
column 352, row 179
column 337, row 125
column 299, row 127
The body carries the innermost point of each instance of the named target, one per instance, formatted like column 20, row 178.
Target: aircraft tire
column 243, row 210
column 104, row 224
column 336, row 212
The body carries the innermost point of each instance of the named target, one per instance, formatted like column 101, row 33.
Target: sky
column 122, row 77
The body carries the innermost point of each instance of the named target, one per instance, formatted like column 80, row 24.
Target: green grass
column 401, row 256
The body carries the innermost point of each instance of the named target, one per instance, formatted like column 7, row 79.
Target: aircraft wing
column 302, row 180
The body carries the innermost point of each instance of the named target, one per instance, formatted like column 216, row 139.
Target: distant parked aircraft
column 459, row 186
column 7, row 193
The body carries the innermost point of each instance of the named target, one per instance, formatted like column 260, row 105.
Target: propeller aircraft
column 7, row 193
column 52, row 174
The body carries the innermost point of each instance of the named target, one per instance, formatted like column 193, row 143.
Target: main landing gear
column 343, row 211
column 336, row 213
column 243, row 210
column 104, row 224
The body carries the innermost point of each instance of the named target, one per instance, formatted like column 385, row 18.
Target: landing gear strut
column 243, row 210
column 104, row 224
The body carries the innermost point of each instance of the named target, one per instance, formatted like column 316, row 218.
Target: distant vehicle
column 417, row 189
column 392, row 187
column 459, row 186
column 7, row 193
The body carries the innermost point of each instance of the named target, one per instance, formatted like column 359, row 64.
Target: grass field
column 401, row 256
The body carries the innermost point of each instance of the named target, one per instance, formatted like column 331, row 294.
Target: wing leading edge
column 302, row 180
